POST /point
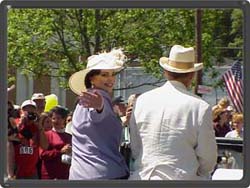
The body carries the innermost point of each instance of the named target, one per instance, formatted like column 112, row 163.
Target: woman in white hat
column 96, row 131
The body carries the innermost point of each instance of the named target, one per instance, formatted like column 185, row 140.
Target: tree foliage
column 56, row 42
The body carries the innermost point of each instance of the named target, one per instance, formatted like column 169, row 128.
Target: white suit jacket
column 172, row 136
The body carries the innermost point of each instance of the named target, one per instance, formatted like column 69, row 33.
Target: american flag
column 234, row 85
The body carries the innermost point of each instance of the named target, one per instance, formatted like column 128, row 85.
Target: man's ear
column 165, row 73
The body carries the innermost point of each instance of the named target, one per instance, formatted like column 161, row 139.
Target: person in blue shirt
column 96, row 130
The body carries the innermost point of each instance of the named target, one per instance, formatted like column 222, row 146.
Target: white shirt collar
column 176, row 84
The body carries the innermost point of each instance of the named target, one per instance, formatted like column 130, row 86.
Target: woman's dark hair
column 88, row 77
column 62, row 111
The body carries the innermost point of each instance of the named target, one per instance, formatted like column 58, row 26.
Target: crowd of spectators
column 39, row 142
column 226, row 121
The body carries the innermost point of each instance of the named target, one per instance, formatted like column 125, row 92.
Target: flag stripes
column 234, row 85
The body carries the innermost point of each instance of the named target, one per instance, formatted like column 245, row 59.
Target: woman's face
column 47, row 125
column 238, row 125
column 105, row 80
column 224, row 116
column 57, row 121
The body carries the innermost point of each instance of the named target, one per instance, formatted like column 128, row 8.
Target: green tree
column 68, row 36
column 222, row 31
column 237, row 31
column 27, row 40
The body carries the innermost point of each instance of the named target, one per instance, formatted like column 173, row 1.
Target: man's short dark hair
column 174, row 75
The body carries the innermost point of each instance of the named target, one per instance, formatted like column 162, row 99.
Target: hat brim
column 77, row 81
column 164, row 64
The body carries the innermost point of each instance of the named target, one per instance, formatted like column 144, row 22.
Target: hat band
column 181, row 65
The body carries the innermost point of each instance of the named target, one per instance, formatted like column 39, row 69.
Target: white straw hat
column 113, row 60
column 181, row 60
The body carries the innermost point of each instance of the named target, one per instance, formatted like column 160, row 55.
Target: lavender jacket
column 95, row 143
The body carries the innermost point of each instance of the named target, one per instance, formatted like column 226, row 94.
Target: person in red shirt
column 12, row 139
column 53, row 164
column 31, row 137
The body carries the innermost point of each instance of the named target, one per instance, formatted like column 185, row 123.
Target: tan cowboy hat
column 112, row 60
column 181, row 60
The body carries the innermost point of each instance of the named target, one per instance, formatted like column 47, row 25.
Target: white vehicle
column 230, row 159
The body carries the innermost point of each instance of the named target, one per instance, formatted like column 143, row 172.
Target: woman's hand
column 91, row 99
column 67, row 149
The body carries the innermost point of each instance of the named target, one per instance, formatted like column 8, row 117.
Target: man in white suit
column 172, row 137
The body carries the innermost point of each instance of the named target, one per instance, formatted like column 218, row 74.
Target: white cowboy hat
column 113, row 60
column 181, row 60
